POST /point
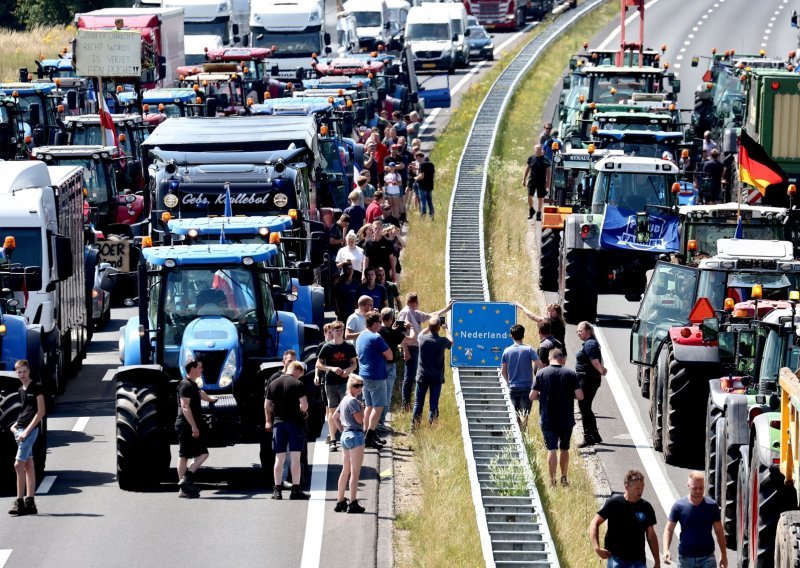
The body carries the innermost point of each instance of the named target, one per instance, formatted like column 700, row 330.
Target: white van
column 430, row 37
column 372, row 22
column 460, row 28
column 398, row 15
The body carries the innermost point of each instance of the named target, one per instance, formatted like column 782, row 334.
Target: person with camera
column 430, row 369
column 396, row 334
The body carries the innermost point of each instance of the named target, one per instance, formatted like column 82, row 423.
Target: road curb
column 384, row 553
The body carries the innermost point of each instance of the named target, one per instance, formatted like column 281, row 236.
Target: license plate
column 429, row 65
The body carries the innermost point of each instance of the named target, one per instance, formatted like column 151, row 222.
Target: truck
column 501, row 14
column 162, row 37
column 207, row 18
column 294, row 28
column 431, row 39
column 212, row 303
column 372, row 23
column 43, row 211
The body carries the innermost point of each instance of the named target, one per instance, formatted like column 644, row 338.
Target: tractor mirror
column 64, row 266
column 710, row 329
column 727, row 350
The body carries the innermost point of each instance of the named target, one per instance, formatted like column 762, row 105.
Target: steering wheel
column 243, row 315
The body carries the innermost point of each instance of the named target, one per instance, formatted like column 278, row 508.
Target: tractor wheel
column 657, row 378
column 713, row 417
column 682, row 418
column 787, row 541
column 579, row 293
column 548, row 260
column 643, row 378
column 731, row 456
column 742, row 514
column 9, row 410
column 769, row 497
column 143, row 453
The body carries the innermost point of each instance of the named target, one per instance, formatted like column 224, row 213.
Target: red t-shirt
column 373, row 211
column 381, row 151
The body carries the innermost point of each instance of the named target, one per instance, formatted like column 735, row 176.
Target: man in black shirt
column 535, row 179
column 371, row 288
column 712, row 178
column 380, row 252
column 286, row 406
column 338, row 359
column 26, row 430
column 546, row 341
column 394, row 333
column 425, row 179
column 191, row 429
column 630, row 519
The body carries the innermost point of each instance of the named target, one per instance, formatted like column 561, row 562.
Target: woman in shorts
column 349, row 420
column 391, row 184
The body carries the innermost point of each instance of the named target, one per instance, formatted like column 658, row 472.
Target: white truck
column 372, row 22
column 208, row 18
column 43, row 212
column 431, row 38
column 295, row 27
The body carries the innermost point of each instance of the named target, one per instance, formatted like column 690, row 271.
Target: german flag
column 756, row 167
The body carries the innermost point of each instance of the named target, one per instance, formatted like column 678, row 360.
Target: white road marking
column 656, row 478
column 618, row 29
column 678, row 58
column 44, row 488
column 763, row 45
column 429, row 120
column 5, row 554
column 687, row 42
column 109, row 374
column 80, row 424
column 690, row 36
column 694, row 29
column 677, row 65
column 315, row 518
column 705, row 16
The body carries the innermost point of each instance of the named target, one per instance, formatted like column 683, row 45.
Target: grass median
column 24, row 48
column 513, row 274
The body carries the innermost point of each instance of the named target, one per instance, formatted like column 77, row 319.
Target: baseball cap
column 391, row 164
column 386, row 206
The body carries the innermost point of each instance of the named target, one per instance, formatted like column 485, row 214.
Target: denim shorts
column 520, row 398
column 25, row 449
column 352, row 439
column 557, row 439
column 697, row 562
column 617, row 563
column 375, row 393
column 287, row 434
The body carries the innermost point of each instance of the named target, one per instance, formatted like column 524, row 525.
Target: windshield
column 632, row 191
column 624, row 86
column 707, row 234
column 717, row 285
column 96, row 180
column 727, row 84
column 428, row 32
column 478, row 33
column 457, row 26
column 25, row 102
column 217, row 28
column 289, row 44
column 617, row 124
column 368, row 19
column 640, row 148
column 29, row 245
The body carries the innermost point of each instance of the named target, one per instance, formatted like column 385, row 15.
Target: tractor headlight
column 229, row 369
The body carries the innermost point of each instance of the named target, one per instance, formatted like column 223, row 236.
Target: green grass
column 23, row 48
column 513, row 274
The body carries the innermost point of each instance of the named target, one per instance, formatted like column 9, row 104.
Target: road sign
column 481, row 333
column 108, row 53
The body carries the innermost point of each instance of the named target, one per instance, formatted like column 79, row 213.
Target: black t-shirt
column 333, row 355
column 538, row 173
column 429, row 171
column 556, row 386
column 344, row 294
column 544, row 349
column 627, row 526
column 378, row 295
column 559, row 331
column 583, row 359
column 378, row 252
column 285, row 393
column 189, row 389
column 392, row 337
column 30, row 405
column 713, row 169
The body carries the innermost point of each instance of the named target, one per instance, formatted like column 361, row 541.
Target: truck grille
column 212, row 364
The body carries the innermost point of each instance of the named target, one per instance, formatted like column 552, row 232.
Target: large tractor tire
column 714, row 417
column 682, row 414
column 742, row 514
column 548, row 260
column 729, row 478
column 580, row 292
column 787, row 541
column 657, row 378
column 143, row 454
column 769, row 497
column 643, row 378
column 9, row 409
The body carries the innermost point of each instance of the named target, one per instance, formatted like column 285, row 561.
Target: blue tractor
column 212, row 303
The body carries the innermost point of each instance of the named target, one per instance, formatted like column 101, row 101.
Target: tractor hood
column 214, row 341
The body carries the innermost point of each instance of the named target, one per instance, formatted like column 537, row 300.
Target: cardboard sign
column 117, row 253
column 108, row 53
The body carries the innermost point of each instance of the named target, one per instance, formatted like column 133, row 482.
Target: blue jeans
column 25, row 449
column 617, row 563
column 374, row 392
column 520, row 398
column 410, row 374
column 426, row 200
column 697, row 562
column 419, row 401
column 391, row 376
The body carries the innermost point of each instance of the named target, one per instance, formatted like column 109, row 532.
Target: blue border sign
column 481, row 333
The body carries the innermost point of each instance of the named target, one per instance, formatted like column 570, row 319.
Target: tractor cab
column 36, row 107
column 637, row 184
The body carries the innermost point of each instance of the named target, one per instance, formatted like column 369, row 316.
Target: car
column 472, row 21
column 480, row 43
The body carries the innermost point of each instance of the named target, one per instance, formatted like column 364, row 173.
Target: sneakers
column 341, row 506
column 373, row 441
column 297, row 495
column 530, row 212
column 355, row 508
column 538, row 215
column 277, row 494
column 332, row 446
column 30, row 506
column 185, row 493
column 18, row 508
column 564, row 481
column 587, row 441
column 328, row 439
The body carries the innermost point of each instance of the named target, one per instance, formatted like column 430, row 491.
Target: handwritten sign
column 108, row 53
column 116, row 253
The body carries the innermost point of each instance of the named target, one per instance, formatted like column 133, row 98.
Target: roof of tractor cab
column 77, row 150
column 732, row 210
column 94, row 119
column 752, row 249
column 209, row 254
column 635, row 164
column 656, row 135
column 231, row 225
column 26, row 88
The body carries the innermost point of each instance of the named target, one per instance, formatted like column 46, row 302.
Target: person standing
column 430, row 370
column 285, row 409
column 517, row 370
column 337, row 359
column 425, row 178
column 713, row 171
column 355, row 211
column 349, row 420
column 411, row 314
column 558, row 327
column 392, row 293
column 555, row 387
column 697, row 515
column 351, row 254
column 371, row 288
column 191, row 429
column 630, row 521
column 345, row 292
column 395, row 334
column 375, row 210
column 373, row 354
column 590, row 369
column 535, row 179
column 357, row 321
column 708, row 145
column 546, row 341
column 380, row 252
column 26, row 431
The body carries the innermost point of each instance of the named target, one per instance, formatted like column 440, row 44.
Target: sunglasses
column 358, row 385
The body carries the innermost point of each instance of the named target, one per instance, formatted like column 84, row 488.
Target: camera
column 399, row 325
column 442, row 320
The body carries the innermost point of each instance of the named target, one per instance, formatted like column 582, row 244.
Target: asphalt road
column 689, row 28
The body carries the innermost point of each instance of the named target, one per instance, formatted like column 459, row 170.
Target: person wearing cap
column 387, row 218
column 391, row 184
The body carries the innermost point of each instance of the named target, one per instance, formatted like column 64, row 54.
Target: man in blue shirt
column 517, row 370
column 698, row 515
column 373, row 352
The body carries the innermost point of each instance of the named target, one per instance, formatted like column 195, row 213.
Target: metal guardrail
column 513, row 529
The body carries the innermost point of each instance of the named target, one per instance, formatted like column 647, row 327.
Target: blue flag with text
column 625, row 230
